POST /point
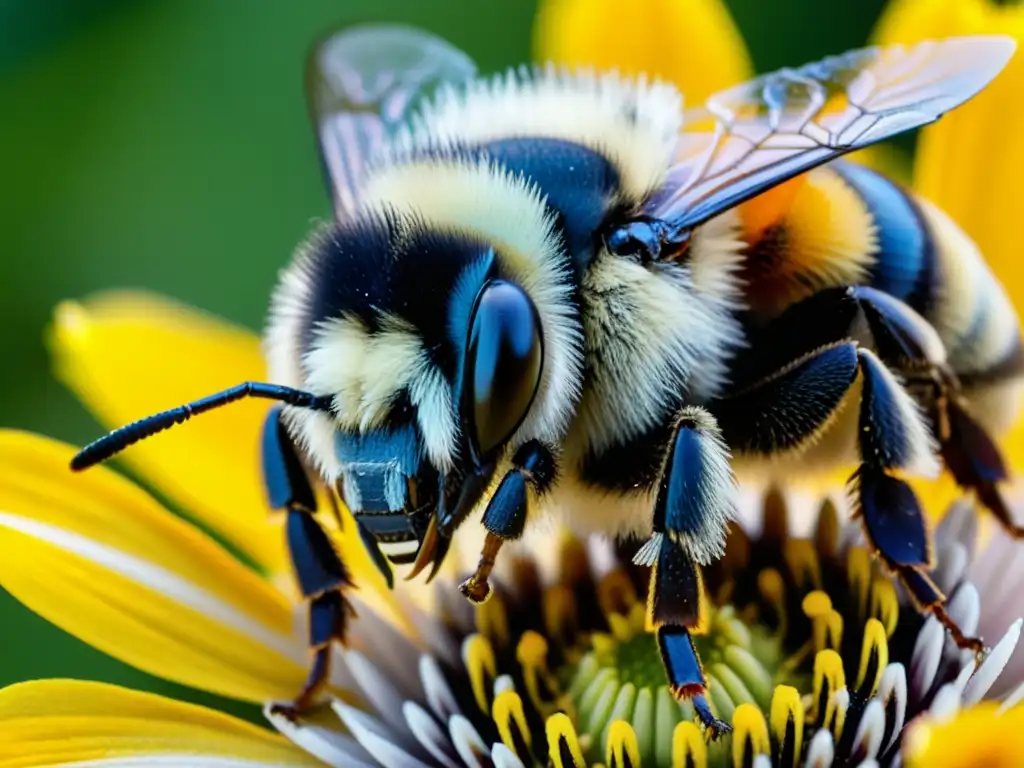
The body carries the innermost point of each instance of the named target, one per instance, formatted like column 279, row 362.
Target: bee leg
column 971, row 455
column 892, row 437
column 695, row 501
column 321, row 574
column 533, row 469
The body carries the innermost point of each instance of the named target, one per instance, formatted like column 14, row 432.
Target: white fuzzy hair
column 634, row 123
column 654, row 333
column 968, row 288
column 487, row 202
column 289, row 307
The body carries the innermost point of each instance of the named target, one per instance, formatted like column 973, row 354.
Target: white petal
column 993, row 665
column 959, row 524
column 870, row 730
column 893, row 688
column 968, row 669
column 1013, row 698
column 332, row 747
column 965, row 608
column 503, row 683
column 429, row 733
column 375, row 737
column 467, row 742
column 430, row 627
column 602, row 556
column 387, row 647
column 762, row 761
column 924, row 661
column 438, row 693
column 375, row 687
column 952, row 565
column 946, row 704
column 504, row 757
column 821, row 751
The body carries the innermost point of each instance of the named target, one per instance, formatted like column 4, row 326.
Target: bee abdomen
column 924, row 259
column 904, row 262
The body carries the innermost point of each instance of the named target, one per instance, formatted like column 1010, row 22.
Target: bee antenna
column 119, row 439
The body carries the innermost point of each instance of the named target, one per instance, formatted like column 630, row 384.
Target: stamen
column 563, row 744
column 688, row 747
column 478, row 657
column 828, row 678
column 874, row 657
column 773, row 590
column 885, row 605
column 803, row 563
column 616, row 593
column 826, row 533
column 510, row 718
column 623, row 750
column 787, row 725
column 750, row 735
column 858, row 575
column 561, row 620
column 492, row 621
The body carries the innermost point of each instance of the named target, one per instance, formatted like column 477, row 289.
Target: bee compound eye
column 504, row 359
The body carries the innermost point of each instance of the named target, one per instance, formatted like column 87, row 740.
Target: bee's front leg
column 533, row 472
column 321, row 574
column 696, row 499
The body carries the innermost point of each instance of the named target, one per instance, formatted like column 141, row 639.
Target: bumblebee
column 551, row 293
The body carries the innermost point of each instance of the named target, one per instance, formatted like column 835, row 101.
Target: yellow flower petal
column 56, row 722
column 970, row 163
column 128, row 355
column 975, row 738
column 910, row 21
column 100, row 559
column 693, row 43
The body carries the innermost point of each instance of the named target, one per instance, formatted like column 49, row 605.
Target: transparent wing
column 361, row 84
column 784, row 123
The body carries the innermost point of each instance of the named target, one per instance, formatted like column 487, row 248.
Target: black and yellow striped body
column 844, row 224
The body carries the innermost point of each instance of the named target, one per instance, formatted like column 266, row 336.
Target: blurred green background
column 163, row 144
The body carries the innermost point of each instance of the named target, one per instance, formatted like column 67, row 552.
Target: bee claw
column 425, row 554
column 475, row 590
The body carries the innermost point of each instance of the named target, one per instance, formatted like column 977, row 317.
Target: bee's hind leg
column 321, row 575
column 695, row 501
column 533, row 471
column 969, row 452
column 793, row 401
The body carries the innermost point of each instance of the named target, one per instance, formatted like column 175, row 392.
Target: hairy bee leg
column 694, row 504
column 890, row 511
column 972, row 456
column 320, row 573
column 777, row 405
column 533, row 469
